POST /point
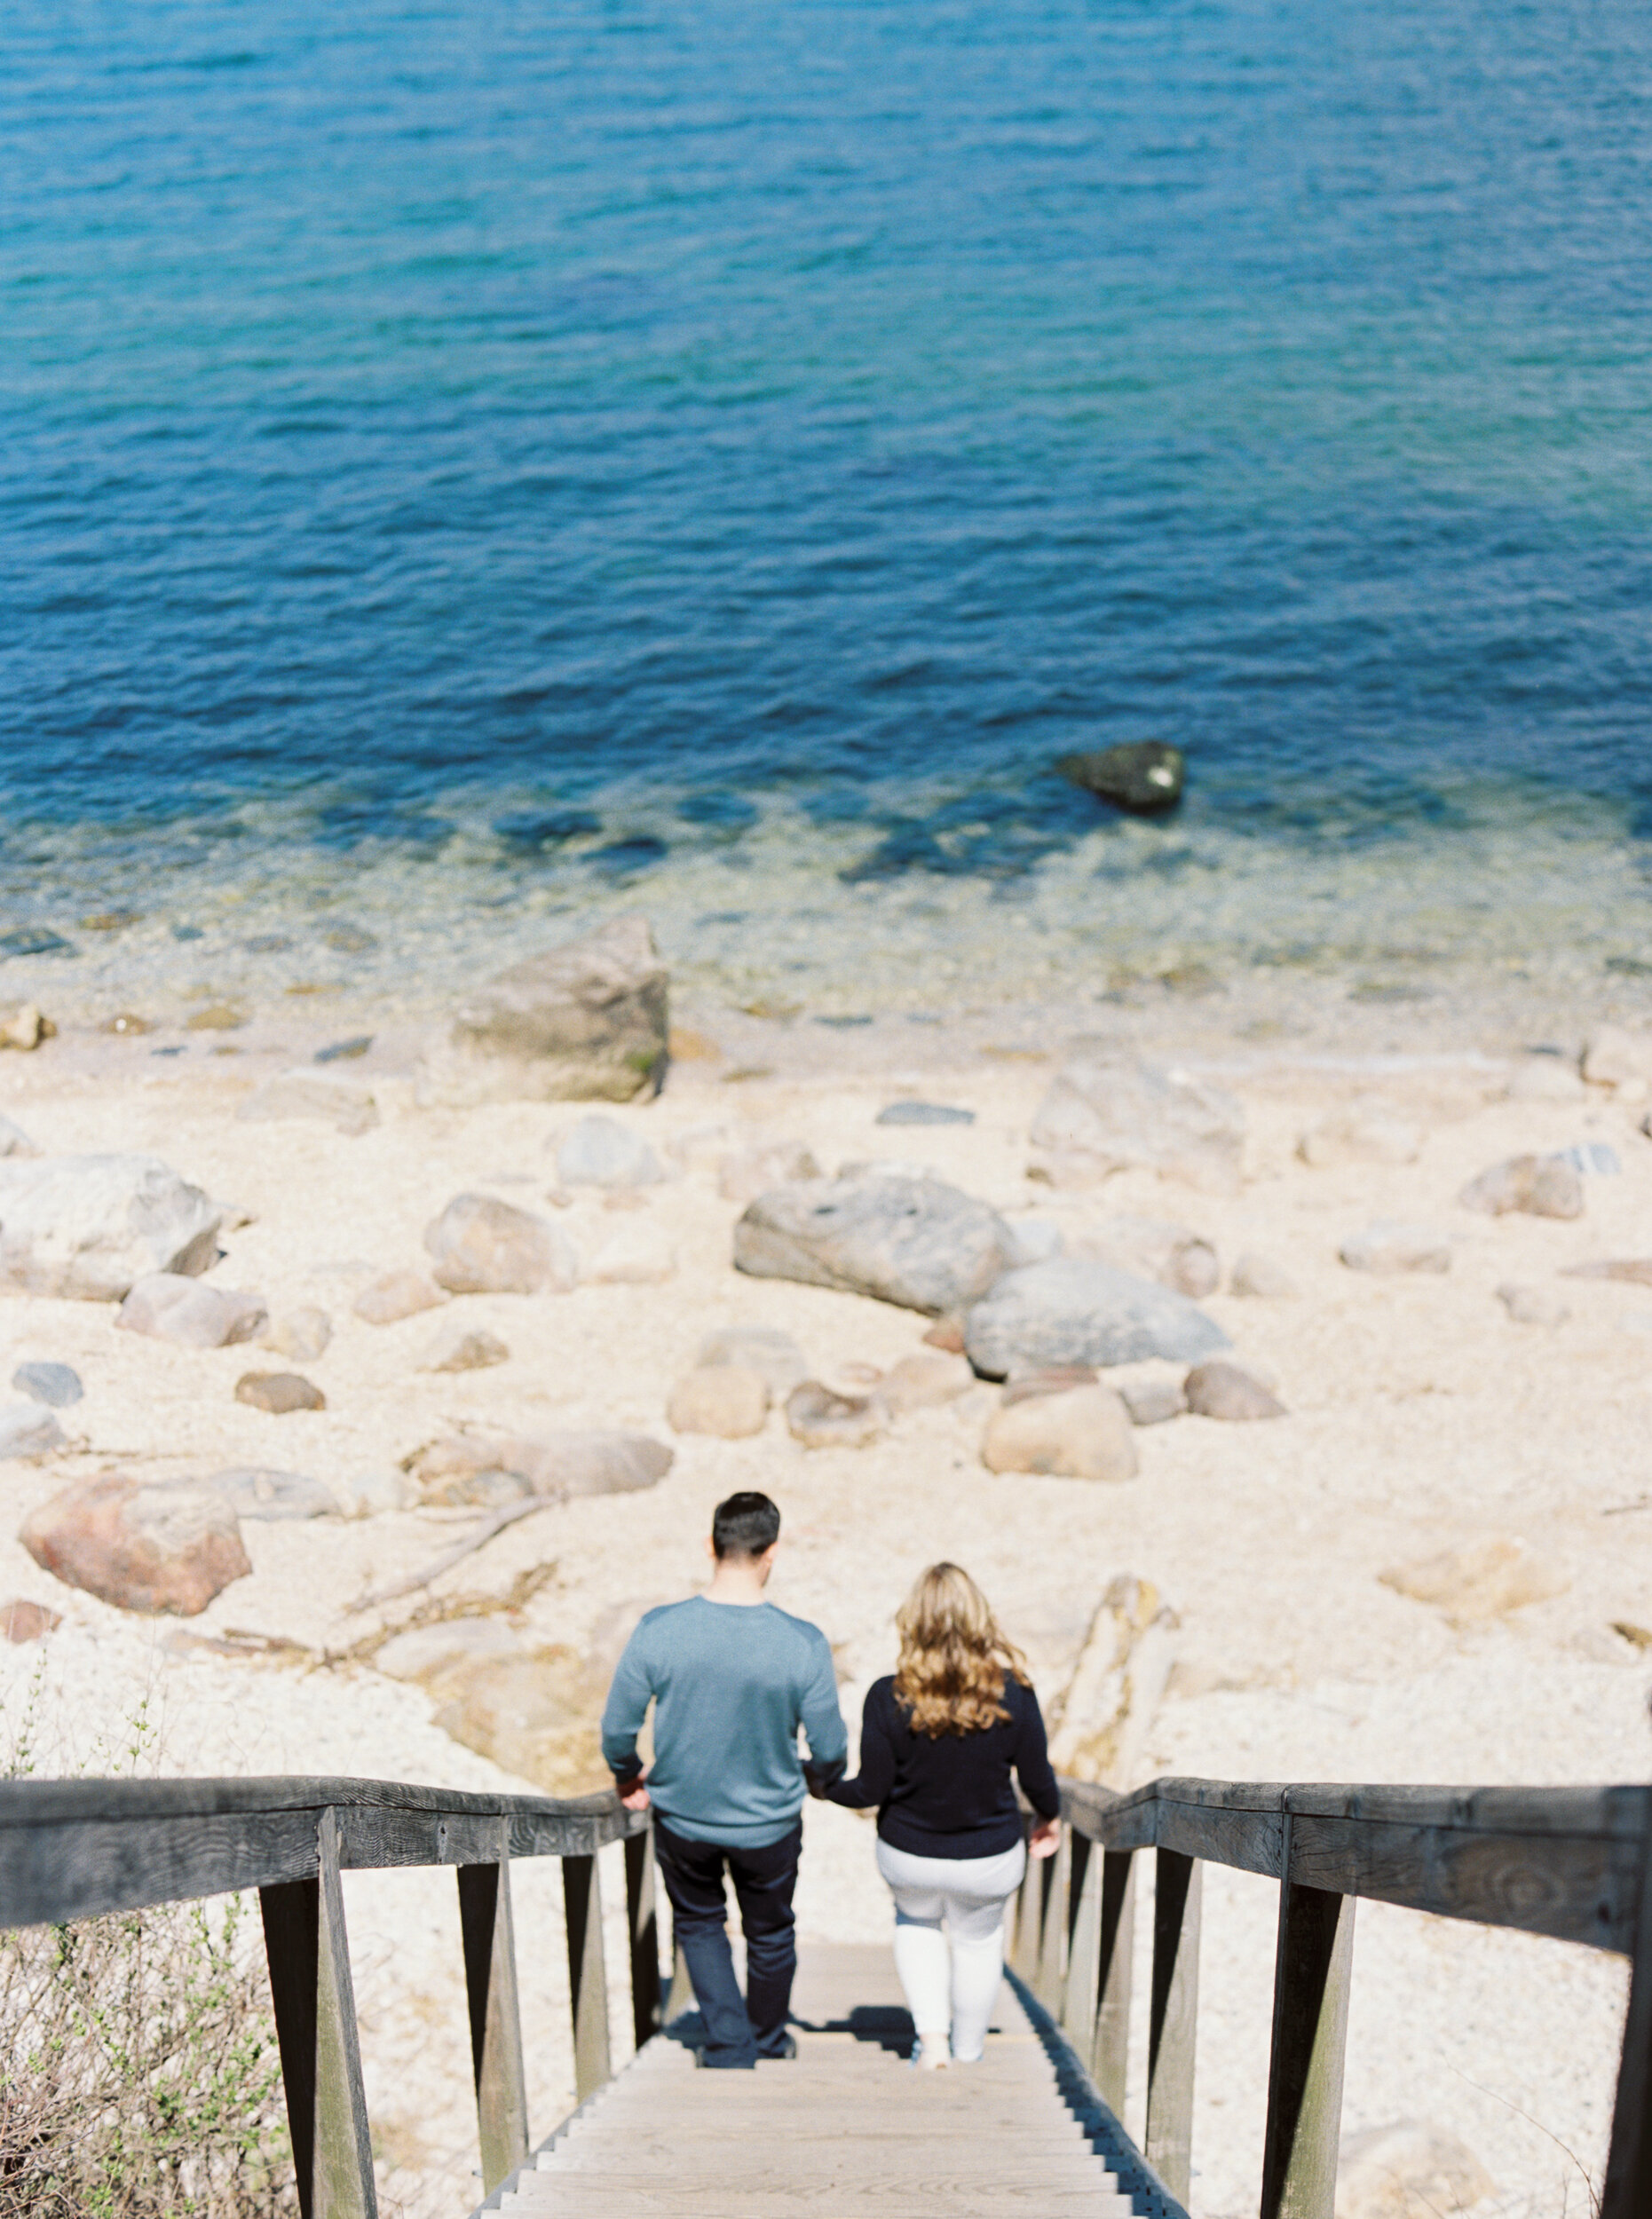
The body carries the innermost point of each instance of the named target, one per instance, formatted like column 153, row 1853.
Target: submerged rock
column 1071, row 1311
column 914, row 1242
column 484, row 1246
column 587, row 1021
column 87, row 1226
column 1146, row 777
column 1105, row 1114
column 140, row 1547
column 167, row 1306
column 1082, row 1434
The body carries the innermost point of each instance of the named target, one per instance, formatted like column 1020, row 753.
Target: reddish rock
column 23, row 1621
column 278, row 1392
column 1222, row 1390
column 142, row 1548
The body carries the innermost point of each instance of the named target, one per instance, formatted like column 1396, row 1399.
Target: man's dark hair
column 745, row 1525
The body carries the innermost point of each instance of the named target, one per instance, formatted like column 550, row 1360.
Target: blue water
column 579, row 432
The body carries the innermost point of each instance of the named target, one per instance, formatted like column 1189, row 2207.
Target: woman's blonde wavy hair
column 953, row 1658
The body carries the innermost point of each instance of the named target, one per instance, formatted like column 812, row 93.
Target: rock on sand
column 1538, row 1186
column 820, row 1418
column 54, row 1384
column 139, row 1547
column 334, row 1097
column 915, row 1242
column 397, row 1294
column 763, row 1348
column 27, row 1432
column 1083, row 1434
column 1224, row 1390
column 1104, row 1114
column 167, row 1306
column 1071, row 1311
column 87, row 1226
column 602, row 1152
column 482, row 1245
column 1262, row 1279
column 303, row 1334
column 1480, row 1580
column 1385, row 1247
column 279, row 1393
column 596, row 1463
column 729, row 1399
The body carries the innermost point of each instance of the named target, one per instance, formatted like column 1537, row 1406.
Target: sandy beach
column 1420, row 1417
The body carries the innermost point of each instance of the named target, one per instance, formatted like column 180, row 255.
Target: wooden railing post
column 1628, row 2192
column 315, row 2024
column 490, row 1980
column 1032, row 1904
column 588, row 1983
column 1171, row 2026
column 1110, row 2052
column 643, row 1926
column 1084, row 1936
column 1057, row 1875
column 1311, row 1974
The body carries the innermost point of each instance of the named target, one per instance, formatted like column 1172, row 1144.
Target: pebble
column 1532, row 1306
column 1153, row 1401
column 22, row 1620
column 303, row 1334
column 25, row 1027
column 761, row 1349
column 1225, row 1390
column 602, row 1152
column 730, row 1400
column 28, row 1431
column 1262, row 1279
column 394, row 1295
column 1538, row 1186
column 923, row 1113
column 54, row 1384
column 820, row 1419
column 1386, row 1246
column 279, row 1393
column 461, row 1351
column 1082, row 1434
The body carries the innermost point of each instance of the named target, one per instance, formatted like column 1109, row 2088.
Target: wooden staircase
column 845, row 2130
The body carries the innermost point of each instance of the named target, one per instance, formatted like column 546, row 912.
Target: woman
column 939, row 1741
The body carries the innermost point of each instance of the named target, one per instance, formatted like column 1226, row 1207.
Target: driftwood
column 475, row 1539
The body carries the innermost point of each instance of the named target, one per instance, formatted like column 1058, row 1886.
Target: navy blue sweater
column 950, row 1797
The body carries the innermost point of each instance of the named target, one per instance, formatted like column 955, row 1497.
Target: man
column 731, row 1679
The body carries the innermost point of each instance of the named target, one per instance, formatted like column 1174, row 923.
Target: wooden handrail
column 1574, row 1864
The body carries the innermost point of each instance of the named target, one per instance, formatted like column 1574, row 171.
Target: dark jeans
column 739, row 2031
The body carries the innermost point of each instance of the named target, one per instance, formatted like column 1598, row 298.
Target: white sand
column 1421, row 1417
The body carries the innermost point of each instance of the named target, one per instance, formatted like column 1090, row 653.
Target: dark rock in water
column 350, row 940
column 345, row 1051
column 23, row 942
column 187, row 932
column 924, row 1113
column 842, row 1024
column 1145, row 777
column 914, row 1242
column 53, row 1384
column 278, row 1392
column 1069, row 1312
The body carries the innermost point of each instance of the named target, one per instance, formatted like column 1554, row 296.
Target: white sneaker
column 931, row 2053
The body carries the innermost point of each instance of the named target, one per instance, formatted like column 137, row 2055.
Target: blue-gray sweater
column 730, row 1684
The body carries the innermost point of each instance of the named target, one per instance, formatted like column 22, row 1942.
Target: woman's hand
column 1045, row 1838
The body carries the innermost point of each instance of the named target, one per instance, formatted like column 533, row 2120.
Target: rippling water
column 472, row 467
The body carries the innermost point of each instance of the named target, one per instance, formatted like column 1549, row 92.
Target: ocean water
column 471, row 466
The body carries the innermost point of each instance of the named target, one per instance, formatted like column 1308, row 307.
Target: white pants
column 951, row 1978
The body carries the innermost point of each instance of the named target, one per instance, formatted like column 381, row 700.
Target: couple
column 731, row 1679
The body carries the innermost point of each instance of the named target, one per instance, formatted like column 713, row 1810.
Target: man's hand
column 633, row 1793
column 1045, row 1838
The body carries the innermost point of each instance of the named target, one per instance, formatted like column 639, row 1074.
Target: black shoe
column 787, row 2049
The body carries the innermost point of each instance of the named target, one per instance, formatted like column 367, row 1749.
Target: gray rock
column 1036, row 1240
column 301, row 1335
column 1069, row 1312
column 280, row 1392
column 1145, row 777
column 1153, row 1401
column 1532, row 1306
column 252, row 1493
column 459, row 1351
column 1170, row 1253
column 1538, row 1186
column 923, row 1113
column 588, row 1021
column 1386, row 1246
column 1104, row 1114
column 484, row 1246
column 820, row 1418
column 914, row 1242
column 1082, row 1434
column 167, row 1548
column 28, row 1431
column 370, row 1494
column 14, row 1140
column 167, row 1306
column 87, row 1226
column 334, row 1097
column 761, row 1348
column 1262, row 1279
column 551, row 1463
column 601, row 1152
column 1223, row 1391
column 54, row 1384
column 1024, row 1380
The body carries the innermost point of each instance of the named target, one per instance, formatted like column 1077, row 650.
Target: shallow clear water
column 475, row 467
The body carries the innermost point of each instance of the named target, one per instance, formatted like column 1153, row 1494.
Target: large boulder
column 1105, row 1114
column 140, row 1547
column 333, row 1097
column 914, row 1242
column 537, row 1714
column 88, row 1226
column 587, row 1021
column 167, row 1306
column 1071, row 1312
column 607, row 1463
column 482, row 1245
column 1083, row 1434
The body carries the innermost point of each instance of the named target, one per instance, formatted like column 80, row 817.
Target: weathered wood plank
column 1311, row 1978
column 1111, row 2050
column 29, row 1802
column 315, row 2024
column 587, row 1986
column 1052, row 1958
column 1628, row 2190
column 642, row 1931
column 1077, row 2013
column 1172, row 2021
column 490, row 1980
